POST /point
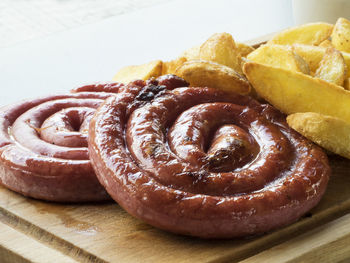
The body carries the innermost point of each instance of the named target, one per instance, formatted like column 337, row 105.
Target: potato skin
column 200, row 73
column 341, row 35
column 331, row 133
column 332, row 67
column 221, row 48
column 313, row 56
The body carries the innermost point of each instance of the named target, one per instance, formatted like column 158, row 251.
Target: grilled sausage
column 201, row 162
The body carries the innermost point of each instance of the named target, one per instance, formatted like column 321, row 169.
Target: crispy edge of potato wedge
column 279, row 56
column 292, row 92
column 311, row 54
column 144, row 71
column 341, row 35
column 332, row 67
column 201, row 73
column 311, row 34
column 326, row 43
column 244, row 49
column 169, row 67
column 221, row 48
column 331, row 133
column 314, row 54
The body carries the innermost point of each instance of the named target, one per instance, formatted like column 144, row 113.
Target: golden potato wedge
column 293, row 92
column 310, row 34
column 331, row 133
column 169, row 67
column 313, row 56
column 332, row 67
column 244, row 49
column 210, row 74
column 326, row 43
column 221, row 48
column 279, row 56
column 341, row 35
column 144, row 71
column 191, row 53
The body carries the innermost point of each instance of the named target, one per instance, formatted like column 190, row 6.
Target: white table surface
column 94, row 52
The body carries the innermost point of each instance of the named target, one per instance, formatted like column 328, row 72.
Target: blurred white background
column 21, row 20
column 305, row 11
column 51, row 46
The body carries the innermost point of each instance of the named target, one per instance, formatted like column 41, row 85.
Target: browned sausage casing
column 43, row 145
column 201, row 162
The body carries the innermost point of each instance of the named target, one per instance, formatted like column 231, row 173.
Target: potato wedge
column 341, row 35
column 191, row 53
column 332, row 67
column 329, row 132
column 221, row 48
column 313, row 56
column 310, row 34
column 209, row 74
column 326, row 43
column 144, row 71
column 169, row 67
column 293, row 92
column 244, row 49
column 279, row 56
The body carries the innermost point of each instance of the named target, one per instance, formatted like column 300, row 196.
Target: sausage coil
column 201, row 162
column 43, row 145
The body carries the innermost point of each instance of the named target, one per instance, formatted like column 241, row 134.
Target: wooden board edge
column 18, row 247
column 327, row 243
column 280, row 236
column 45, row 238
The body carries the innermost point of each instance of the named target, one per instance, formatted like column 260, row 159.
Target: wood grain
column 328, row 243
column 18, row 247
column 106, row 233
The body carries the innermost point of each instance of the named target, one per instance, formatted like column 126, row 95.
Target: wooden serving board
column 36, row 231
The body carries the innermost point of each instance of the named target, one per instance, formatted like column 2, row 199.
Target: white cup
column 306, row 11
